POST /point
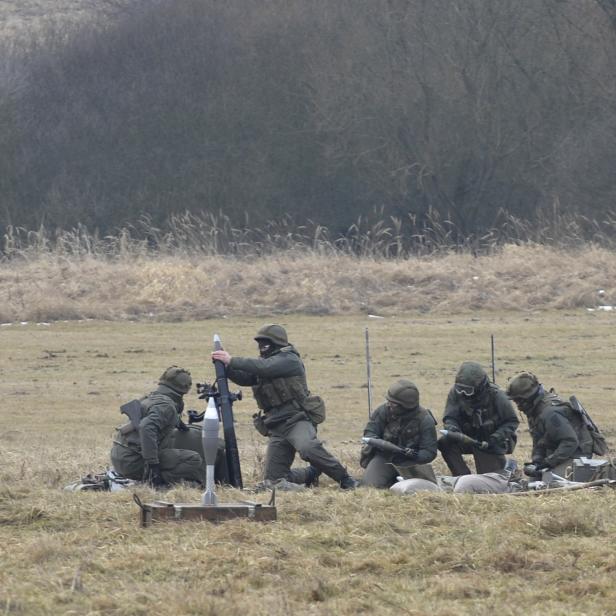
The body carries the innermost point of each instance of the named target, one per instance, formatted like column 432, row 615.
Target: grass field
column 330, row 552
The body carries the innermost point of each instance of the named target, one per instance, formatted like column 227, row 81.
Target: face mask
column 526, row 405
column 265, row 347
column 395, row 409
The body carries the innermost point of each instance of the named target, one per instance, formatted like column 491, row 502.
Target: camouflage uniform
column 191, row 438
column 152, row 443
column 407, row 425
column 279, row 386
column 559, row 433
column 486, row 416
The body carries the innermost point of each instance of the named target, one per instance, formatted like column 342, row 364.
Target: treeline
column 472, row 111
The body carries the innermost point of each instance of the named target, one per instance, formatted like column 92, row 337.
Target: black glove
column 195, row 416
column 153, row 476
column 410, row 453
column 182, row 427
column 535, row 470
column 495, row 442
column 258, row 421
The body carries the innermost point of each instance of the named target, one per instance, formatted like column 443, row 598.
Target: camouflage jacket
column 278, row 382
column 558, row 432
column 490, row 415
column 414, row 429
column 160, row 413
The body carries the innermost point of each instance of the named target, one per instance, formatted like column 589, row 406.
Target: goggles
column 464, row 390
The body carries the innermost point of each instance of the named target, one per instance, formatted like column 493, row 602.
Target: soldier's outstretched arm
column 279, row 365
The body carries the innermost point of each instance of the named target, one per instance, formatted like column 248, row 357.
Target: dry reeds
column 82, row 276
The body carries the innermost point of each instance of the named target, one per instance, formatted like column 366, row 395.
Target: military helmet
column 523, row 386
column 471, row 379
column 404, row 393
column 177, row 379
column 275, row 333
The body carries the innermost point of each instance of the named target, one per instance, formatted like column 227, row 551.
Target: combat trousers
column 300, row 437
column 175, row 464
column 382, row 474
column 192, row 440
column 484, row 462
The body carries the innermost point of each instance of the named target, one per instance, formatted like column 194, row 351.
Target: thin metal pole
column 369, row 372
column 493, row 361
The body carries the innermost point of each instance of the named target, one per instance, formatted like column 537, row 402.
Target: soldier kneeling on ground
column 559, row 431
column 158, row 447
column 400, row 440
column 288, row 414
column 479, row 410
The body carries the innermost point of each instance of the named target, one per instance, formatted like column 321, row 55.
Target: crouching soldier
column 559, row 432
column 145, row 451
column 289, row 413
column 400, row 439
column 477, row 409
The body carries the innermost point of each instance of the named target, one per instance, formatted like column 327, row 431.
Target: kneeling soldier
column 480, row 410
column 289, row 413
column 147, row 452
column 558, row 431
column 402, row 440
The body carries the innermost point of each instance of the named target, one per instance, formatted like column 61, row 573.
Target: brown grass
column 53, row 287
column 330, row 552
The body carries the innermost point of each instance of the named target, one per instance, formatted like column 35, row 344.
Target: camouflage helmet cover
column 404, row 393
column 275, row 333
column 177, row 379
column 471, row 374
column 523, row 386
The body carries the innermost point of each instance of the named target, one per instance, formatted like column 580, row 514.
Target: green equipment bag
column 599, row 444
column 314, row 406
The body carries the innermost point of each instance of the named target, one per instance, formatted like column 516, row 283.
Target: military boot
column 348, row 483
column 312, row 477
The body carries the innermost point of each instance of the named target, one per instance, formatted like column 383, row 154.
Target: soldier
column 559, row 433
column 404, row 423
column 480, row 410
column 148, row 453
column 289, row 413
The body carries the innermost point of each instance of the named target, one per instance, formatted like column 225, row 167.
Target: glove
column 153, row 476
column 410, row 453
column 259, row 423
column 182, row 427
column 534, row 470
column 495, row 442
column 195, row 416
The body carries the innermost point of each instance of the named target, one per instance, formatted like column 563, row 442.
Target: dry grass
column 330, row 552
column 51, row 286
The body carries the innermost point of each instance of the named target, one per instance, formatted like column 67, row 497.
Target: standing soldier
column 559, row 432
column 402, row 422
column 146, row 452
column 480, row 410
column 289, row 413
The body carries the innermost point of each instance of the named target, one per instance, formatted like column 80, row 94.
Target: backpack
column 599, row 444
